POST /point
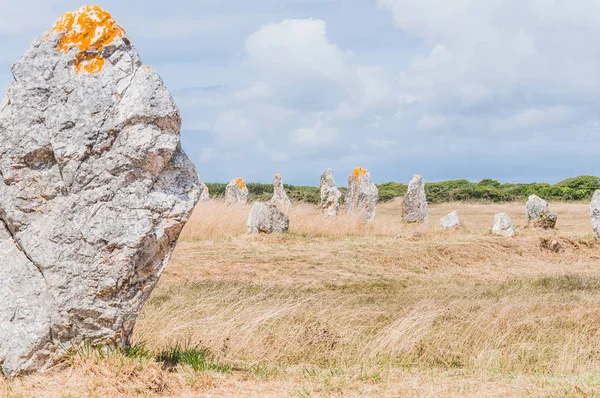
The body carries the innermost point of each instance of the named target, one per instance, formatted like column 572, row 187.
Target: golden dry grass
column 338, row 308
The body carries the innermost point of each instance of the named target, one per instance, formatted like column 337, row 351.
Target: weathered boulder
column 267, row 218
column 502, row 225
column 94, row 190
column 362, row 195
column 280, row 198
column 450, row 221
column 595, row 214
column 538, row 212
column 330, row 195
column 414, row 203
column 236, row 191
column 204, row 193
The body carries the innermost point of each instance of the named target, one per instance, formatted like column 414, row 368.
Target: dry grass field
column 337, row 308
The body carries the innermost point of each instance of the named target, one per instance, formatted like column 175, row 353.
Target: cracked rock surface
column 94, row 191
column 414, row 203
column 330, row 195
column 362, row 195
column 280, row 198
column 595, row 214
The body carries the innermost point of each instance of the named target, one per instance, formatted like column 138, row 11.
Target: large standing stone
column 236, row 191
column 94, row 190
column 267, row 218
column 362, row 195
column 502, row 225
column 595, row 214
column 538, row 212
column 450, row 221
column 330, row 195
column 280, row 198
column 204, row 193
column 414, row 203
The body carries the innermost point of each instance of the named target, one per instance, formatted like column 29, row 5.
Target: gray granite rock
column 267, row 218
column 595, row 214
column 414, row 203
column 280, row 198
column 503, row 226
column 330, row 195
column 450, row 221
column 362, row 195
column 94, row 190
column 237, row 191
column 204, row 193
column 538, row 213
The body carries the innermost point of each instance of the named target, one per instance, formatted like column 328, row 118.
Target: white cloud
column 233, row 127
column 535, row 117
column 318, row 136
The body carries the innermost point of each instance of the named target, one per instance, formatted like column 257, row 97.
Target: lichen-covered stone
column 330, row 195
column 94, row 190
column 414, row 203
column 267, row 218
column 236, row 191
column 280, row 198
column 450, row 221
column 595, row 214
column 204, row 193
column 362, row 195
column 503, row 226
column 538, row 213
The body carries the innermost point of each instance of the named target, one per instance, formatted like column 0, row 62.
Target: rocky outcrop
column 362, row 195
column 280, row 198
column 94, row 190
column 330, row 195
column 236, row 191
column 595, row 214
column 414, row 203
column 539, row 214
column 503, row 226
column 204, row 193
column 267, row 218
column 450, row 221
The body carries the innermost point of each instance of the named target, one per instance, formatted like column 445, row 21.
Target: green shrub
column 488, row 190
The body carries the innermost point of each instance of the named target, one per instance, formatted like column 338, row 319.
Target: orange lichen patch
column 358, row 171
column 89, row 29
column 240, row 183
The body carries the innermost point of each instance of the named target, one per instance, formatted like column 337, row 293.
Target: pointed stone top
column 89, row 29
column 240, row 183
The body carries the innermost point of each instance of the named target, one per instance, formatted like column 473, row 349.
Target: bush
column 577, row 188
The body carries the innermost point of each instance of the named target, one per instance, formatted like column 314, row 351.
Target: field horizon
column 341, row 308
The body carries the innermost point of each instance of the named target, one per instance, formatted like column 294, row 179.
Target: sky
column 449, row 89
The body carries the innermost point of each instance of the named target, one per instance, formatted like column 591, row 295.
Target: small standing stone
column 236, row 191
column 267, row 218
column 595, row 214
column 414, row 203
column 450, row 221
column 503, row 226
column 330, row 195
column 280, row 198
column 539, row 213
column 204, row 194
column 362, row 195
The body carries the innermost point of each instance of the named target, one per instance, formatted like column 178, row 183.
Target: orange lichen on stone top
column 358, row 171
column 89, row 29
column 240, row 183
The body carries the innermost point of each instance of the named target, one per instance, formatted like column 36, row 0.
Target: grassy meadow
column 339, row 308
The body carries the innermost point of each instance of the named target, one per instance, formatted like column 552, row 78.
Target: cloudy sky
column 503, row 89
